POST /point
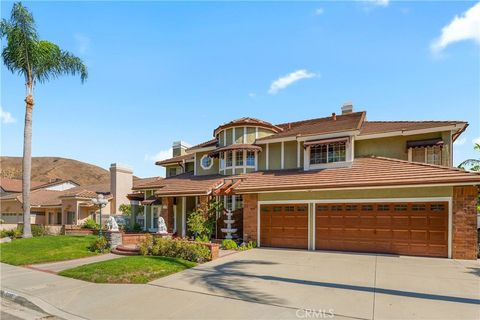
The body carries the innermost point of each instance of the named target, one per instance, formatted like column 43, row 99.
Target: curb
column 36, row 304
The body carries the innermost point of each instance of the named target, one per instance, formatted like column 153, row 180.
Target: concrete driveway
column 365, row 286
column 270, row 284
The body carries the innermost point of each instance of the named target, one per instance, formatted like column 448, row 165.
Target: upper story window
column 426, row 151
column 328, row 153
column 237, row 160
column 206, row 162
column 430, row 155
column 250, row 159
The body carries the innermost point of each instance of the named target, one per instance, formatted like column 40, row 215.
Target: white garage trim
column 311, row 237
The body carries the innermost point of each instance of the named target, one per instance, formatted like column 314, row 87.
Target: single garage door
column 419, row 229
column 284, row 226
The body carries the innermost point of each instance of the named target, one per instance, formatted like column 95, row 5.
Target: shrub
column 137, row 227
column 100, row 245
column 90, row 224
column 247, row 246
column 203, row 238
column 37, row 231
column 180, row 249
column 229, row 244
column 146, row 244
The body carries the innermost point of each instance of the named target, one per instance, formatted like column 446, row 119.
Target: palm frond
column 51, row 62
column 472, row 163
column 21, row 36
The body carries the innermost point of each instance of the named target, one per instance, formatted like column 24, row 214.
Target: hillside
column 46, row 168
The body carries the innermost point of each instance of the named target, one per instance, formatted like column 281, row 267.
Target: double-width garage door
column 415, row 228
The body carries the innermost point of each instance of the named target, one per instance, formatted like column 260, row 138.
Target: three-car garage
column 418, row 228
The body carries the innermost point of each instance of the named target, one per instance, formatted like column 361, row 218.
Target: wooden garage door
column 284, row 226
column 419, row 229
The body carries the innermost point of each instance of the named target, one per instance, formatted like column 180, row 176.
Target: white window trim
column 339, row 164
column 201, row 162
column 356, row 200
column 244, row 167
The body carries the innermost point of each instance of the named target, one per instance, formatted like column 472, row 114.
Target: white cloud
column 6, row 117
column 285, row 81
column 319, row 11
column 460, row 142
column 380, row 3
column 83, row 42
column 476, row 140
column 252, row 95
column 464, row 27
column 161, row 155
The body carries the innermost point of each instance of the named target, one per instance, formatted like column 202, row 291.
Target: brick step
column 125, row 253
column 126, row 250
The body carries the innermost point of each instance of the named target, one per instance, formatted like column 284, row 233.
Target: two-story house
column 334, row 183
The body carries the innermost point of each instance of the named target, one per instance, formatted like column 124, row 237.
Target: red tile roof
column 249, row 122
column 187, row 184
column 138, row 183
column 209, row 143
column 347, row 122
column 373, row 127
column 178, row 159
column 15, row 185
column 372, row 171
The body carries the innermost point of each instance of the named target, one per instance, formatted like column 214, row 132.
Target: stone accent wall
column 464, row 223
column 167, row 212
column 250, row 213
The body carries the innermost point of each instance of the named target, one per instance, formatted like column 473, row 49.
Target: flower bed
column 177, row 248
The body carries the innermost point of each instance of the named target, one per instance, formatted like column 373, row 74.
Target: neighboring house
column 10, row 186
column 64, row 202
column 333, row 183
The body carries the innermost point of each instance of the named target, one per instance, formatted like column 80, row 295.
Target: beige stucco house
column 339, row 182
column 68, row 204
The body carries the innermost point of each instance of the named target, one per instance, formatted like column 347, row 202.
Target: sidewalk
column 73, row 299
column 55, row 267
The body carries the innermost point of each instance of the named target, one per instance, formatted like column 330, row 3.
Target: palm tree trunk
column 27, row 163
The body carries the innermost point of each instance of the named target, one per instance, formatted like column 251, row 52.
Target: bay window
column 250, row 159
column 239, row 158
column 228, row 159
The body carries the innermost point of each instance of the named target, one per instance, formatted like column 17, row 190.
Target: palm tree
column 473, row 164
column 37, row 61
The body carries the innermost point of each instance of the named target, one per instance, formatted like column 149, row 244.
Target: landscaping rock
column 6, row 239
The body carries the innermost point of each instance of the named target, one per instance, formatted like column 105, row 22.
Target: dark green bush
column 229, row 244
column 100, row 245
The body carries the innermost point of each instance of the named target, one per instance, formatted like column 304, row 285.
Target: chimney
column 179, row 147
column 121, row 182
column 334, row 116
column 347, row 107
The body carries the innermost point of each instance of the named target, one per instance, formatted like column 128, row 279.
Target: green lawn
column 134, row 269
column 45, row 249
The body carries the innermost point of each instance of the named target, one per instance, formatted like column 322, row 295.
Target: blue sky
column 160, row 72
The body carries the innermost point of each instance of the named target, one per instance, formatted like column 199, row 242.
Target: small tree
column 201, row 222
column 125, row 209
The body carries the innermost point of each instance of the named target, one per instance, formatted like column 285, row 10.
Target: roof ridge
column 320, row 118
column 412, row 121
column 421, row 164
